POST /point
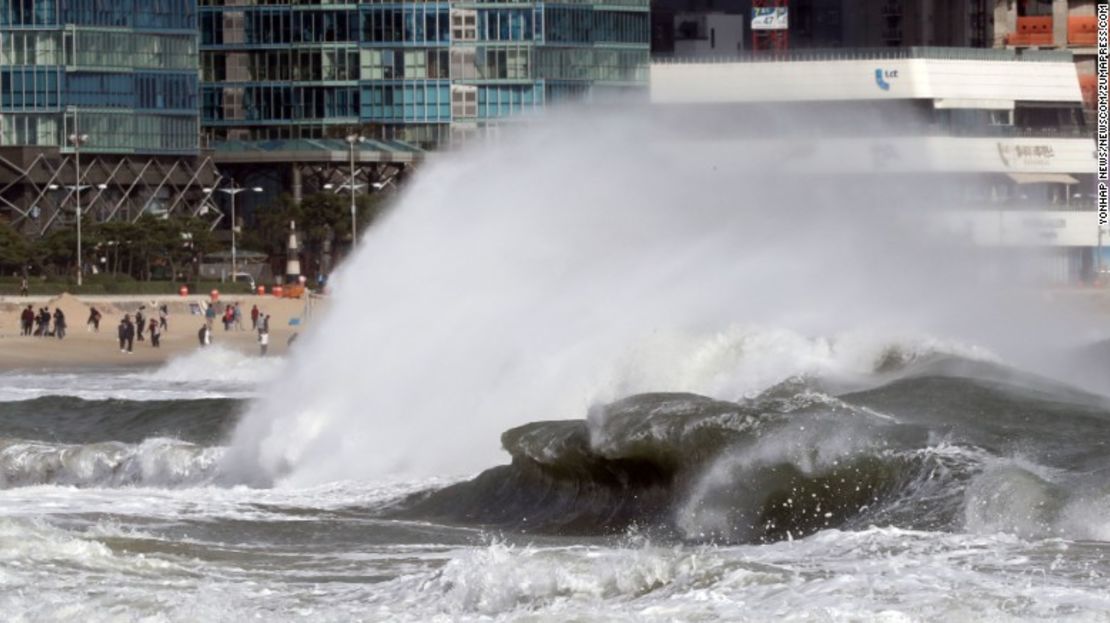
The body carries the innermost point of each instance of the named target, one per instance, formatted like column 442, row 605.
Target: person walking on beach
column 238, row 316
column 210, row 315
column 229, row 317
column 43, row 323
column 121, row 332
column 155, row 334
column 140, row 322
column 254, row 317
column 28, row 321
column 266, row 323
column 59, row 323
column 126, row 334
column 263, row 340
column 204, row 336
column 163, row 317
column 94, row 320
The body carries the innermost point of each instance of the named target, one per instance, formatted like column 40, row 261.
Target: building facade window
column 27, row 89
column 464, row 101
column 464, row 25
column 30, row 48
column 28, row 13
column 276, row 68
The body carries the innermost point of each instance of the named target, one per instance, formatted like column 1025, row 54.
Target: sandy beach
column 84, row 348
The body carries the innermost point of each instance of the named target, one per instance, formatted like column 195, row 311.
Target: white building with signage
column 1011, row 125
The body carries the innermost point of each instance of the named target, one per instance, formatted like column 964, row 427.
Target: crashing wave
column 157, row 462
column 914, row 453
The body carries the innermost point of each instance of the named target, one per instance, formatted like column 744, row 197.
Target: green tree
column 320, row 218
column 15, row 251
column 55, row 252
column 170, row 243
column 115, row 240
column 188, row 240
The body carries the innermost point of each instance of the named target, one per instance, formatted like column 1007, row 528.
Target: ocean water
column 938, row 486
column 598, row 372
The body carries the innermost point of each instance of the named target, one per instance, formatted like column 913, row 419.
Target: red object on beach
column 183, row 291
column 215, row 294
column 261, row 290
column 277, row 291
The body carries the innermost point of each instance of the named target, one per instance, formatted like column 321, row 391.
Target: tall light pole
column 231, row 191
column 352, row 141
column 78, row 140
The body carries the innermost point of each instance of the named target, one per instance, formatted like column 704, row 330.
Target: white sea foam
column 241, row 554
column 156, row 462
column 874, row 575
column 1016, row 496
column 215, row 372
column 217, row 365
column 743, row 361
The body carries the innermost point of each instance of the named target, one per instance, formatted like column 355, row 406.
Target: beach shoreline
column 85, row 349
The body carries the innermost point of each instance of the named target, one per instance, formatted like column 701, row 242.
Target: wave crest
column 794, row 461
column 157, row 462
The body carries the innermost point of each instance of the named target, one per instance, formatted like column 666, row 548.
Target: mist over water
column 598, row 255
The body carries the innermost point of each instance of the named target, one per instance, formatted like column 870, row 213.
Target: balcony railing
column 1032, row 31
column 1083, row 31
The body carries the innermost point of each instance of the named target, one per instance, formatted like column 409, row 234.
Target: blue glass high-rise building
column 267, row 89
column 124, row 74
column 411, row 71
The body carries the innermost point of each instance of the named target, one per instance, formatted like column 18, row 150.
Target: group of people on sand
column 232, row 317
column 150, row 322
column 129, row 330
column 38, row 323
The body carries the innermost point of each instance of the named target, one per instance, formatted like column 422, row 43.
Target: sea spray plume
column 511, row 283
column 216, row 364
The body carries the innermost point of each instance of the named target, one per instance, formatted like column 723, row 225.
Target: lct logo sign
column 883, row 77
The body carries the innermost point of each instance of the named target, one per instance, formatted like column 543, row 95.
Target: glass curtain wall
column 407, row 70
column 126, row 70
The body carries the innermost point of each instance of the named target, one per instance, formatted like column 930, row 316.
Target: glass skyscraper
column 122, row 75
column 169, row 90
column 121, row 71
column 411, row 71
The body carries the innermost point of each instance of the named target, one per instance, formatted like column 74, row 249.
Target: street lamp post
column 352, row 140
column 231, row 192
column 78, row 140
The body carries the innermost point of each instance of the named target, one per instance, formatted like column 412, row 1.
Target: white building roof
column 993, row 81
column 983, row 79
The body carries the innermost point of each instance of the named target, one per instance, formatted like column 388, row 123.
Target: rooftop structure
column 824, row 24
